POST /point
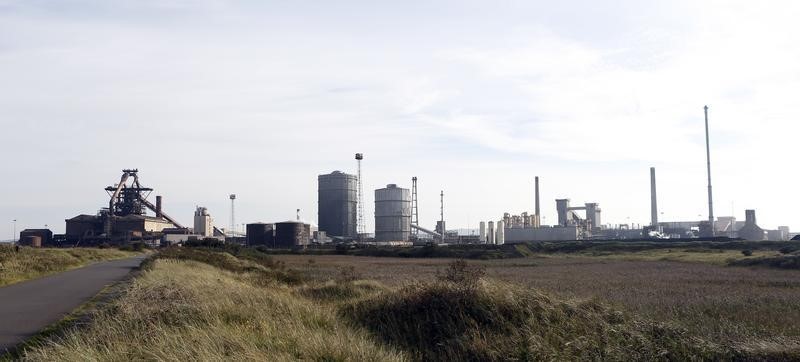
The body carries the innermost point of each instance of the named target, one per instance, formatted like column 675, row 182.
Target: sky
column 475, row 98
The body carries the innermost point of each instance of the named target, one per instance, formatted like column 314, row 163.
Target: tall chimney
column 536, row 183
column 708, row 160
column 653, row 199
column 158, row 206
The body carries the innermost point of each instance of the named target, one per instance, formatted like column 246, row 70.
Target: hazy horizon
column 209, row 98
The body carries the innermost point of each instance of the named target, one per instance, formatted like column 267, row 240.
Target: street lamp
column 14, row 234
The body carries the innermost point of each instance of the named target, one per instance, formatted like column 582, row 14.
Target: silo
column 482, row 228
column 490, row 234
column 338, row 204
column 500, row 238
column 392, row 213
column 290, row 234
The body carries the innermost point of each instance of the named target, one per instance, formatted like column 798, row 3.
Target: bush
column 747, row 252
column 463, row 275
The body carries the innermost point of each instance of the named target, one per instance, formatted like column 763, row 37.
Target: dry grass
column 748, row 308
column 30, row 263
column 190, row 311
column 257, row 307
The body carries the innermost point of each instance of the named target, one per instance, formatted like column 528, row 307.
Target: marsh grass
column 184, row 310
column 29, row 263
column 196, row 304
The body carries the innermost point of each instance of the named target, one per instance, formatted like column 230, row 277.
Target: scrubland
column 197, row 304
column 29, row 263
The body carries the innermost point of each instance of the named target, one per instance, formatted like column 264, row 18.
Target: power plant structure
column 568, row 217
column 338, row 204
column 392, row 214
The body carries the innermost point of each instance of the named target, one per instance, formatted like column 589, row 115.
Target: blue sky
column 474, row 98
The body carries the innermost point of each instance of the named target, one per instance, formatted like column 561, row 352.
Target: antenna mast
column 441, row 213
column 414, row 206
column 360, row 199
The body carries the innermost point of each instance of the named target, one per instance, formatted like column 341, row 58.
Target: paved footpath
column 30, row 306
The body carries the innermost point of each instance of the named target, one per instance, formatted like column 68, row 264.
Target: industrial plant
column 130, row 216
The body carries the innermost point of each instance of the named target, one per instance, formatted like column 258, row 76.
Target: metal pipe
column 708, row 160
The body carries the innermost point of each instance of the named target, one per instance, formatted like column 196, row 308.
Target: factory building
column 203, row 223
column 338, row 204
column 45, row 236
column 544, row 233
column 392, row 214
column 568, row 217
column 750, row 230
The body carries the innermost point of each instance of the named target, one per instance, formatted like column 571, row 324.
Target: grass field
column 198, row 304
column 749, row 308
column 30, row 263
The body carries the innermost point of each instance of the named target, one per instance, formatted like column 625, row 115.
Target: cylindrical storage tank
column 259, row 234
column 290, row 234
column 338, row 204
column 34, row 241
column 500, row 239
column 482, row 228
column 392, row 214
column 490, row 234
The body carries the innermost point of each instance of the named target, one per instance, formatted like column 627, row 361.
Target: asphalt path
column 28, row 307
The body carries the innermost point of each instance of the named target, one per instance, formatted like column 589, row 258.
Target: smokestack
column 708, row 159
column 653, row 199
column 750, row 217
column 536, row 183
column 158, row 206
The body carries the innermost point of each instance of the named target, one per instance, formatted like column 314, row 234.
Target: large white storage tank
column 482, row 228
column 490, row 233
column 500, row 238
column 392, row 214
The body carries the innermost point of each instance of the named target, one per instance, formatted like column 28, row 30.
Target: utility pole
column 708, row 159
column 14, row 233
column 233, row 219
column 360, row 199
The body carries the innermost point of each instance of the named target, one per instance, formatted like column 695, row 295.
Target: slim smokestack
column 536, row 183
column 708, row 159
column 158, row 206
column 653, row 199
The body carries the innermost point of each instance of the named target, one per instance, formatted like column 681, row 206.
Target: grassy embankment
column 205, row 305
column 31, row 263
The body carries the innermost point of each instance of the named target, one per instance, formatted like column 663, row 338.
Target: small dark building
column 291, row 235
column 45, row 236
column 31, row 240
column 260, row 234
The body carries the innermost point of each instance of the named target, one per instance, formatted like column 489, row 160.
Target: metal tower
column 708, row 160
column 360, row 199
column 233, row 219
column 414, row 206
column 441, row 214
